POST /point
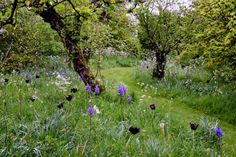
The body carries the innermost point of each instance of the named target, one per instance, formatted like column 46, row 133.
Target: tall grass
column 41, row 128
column 195, row 88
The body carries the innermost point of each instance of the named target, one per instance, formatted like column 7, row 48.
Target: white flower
column 34, row 97
column 162, row 125
column 96, row 109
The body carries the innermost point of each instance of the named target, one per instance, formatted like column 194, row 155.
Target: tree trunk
column 80, row 65
column 159, row 69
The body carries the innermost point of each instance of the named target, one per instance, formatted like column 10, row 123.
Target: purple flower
column 1, row 31
column 90, row 111
column 122, row 90
column 97, row 90
column 57, row 63
column 88, row 88
column 28, row 75
column 62, row 73
column 80, row 79
column 129, row 99
column 219, row 132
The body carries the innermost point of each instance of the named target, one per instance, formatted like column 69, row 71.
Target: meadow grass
column 42, row 128
column 195, row 88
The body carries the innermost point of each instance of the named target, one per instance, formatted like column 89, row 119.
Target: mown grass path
column 176, row 109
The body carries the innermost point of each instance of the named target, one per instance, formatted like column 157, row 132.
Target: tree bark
column 159, row 69
column 80, row 65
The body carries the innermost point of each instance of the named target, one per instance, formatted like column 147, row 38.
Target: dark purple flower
column 97, row 90
column 27, row 81
column 69, row 97
column 61, row 105
column 134, row 130
column 219, row 132
column 88, row 88
column 122, row 90
column 90, row 111
column 6, row 80
column 74, row 90
column 129, row 99
column 193, row 126
column 152, row 106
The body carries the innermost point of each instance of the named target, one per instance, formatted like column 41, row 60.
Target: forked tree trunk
column 80, row 65
column 159, row 69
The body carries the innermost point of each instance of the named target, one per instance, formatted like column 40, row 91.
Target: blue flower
column 122, row 90
column 28, row 75
column 90, row 111
column 62, row 73
column 1, row 31
column 80, row 79
column 57, row 63
column 129, row 99
column 88, row 88
column 97, row 90
column 219, row 132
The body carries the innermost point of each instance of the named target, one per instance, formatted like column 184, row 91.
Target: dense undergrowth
column 37, row 118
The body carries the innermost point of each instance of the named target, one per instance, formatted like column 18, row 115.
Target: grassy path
column 177, row 110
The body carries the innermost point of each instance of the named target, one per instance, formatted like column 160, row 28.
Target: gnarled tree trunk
column 80, row 65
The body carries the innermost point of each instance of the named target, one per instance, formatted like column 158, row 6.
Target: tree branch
column 10, row 19
column 74, row 7
column 7, row 53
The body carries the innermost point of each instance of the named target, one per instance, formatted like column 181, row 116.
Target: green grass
column 177, row 109
column 214, row 98
column 41, row 129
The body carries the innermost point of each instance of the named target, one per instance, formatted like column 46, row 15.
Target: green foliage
column 114, row 61
column 28, row 40
column 17, row 62
column 157, row 33
column 157, row 30
column 215, row 40
column 33, row 36
column 110, row 30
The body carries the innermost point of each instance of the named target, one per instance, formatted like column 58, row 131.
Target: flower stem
column 6, row 129
column 90, row 123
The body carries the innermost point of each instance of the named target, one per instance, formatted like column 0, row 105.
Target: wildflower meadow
column 117, row 78
column 56, row 114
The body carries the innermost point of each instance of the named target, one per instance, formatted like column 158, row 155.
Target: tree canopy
column 213, row 36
